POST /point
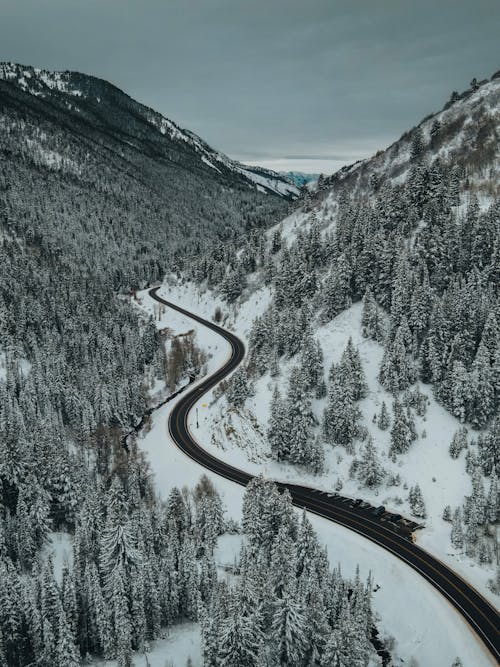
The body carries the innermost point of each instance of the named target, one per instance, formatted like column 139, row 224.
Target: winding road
column 392, row 536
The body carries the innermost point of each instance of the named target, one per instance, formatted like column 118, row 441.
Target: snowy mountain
column 107, row 108
column 466, row 132
column 371, row 315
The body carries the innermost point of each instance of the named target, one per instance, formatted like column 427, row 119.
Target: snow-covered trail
column 406, row 599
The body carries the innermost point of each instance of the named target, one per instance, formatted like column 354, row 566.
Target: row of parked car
column 398, row 520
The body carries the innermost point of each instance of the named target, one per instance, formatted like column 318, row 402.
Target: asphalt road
column 481, row 616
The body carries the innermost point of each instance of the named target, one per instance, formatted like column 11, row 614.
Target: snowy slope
column 239, row 436
column 468, row 134
column 78, row 91
column 425, row 627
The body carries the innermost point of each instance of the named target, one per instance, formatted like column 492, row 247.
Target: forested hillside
column 98, row 195
column 400, row 253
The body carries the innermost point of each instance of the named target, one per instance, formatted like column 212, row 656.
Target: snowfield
column 239, row 436
column 424, row 625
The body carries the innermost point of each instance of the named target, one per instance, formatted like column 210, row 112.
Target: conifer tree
column 288, row 631
column 67, row 654
column 278, row 427
column 238, row 389
column 371, row 320
column 457, row 537
column 458, row 443
column 396, row 371
column 417, row 504
column 337, row 291
column 383, row 419
column 351, row 369
column 341, row 415
column 369, row 470
column 240, row 638
column 402, row 431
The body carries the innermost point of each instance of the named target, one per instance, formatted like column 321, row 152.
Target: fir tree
column 288, row 632
column 238, row 389
column 458, row 443
column 369, row 470
column 371, row 320
column 396, row 371
column 341, row 415
column 383, row 419
column 457, row 537
column 67, row 654
column 277, row 432
column 337, row 291
column 402, row 431
column 417, row 504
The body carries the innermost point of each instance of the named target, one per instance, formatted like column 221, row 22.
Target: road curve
column 480, row 615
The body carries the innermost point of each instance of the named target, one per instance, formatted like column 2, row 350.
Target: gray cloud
column 283, row 82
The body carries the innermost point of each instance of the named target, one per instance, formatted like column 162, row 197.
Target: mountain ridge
column 92, row 99
column 466, row 131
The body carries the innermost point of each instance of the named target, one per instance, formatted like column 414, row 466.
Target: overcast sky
column 303, row 84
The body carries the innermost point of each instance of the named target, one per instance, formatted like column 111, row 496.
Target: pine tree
column 67, row 654
column 337, row 291
column 457, row 537
column 369, row 470
column 371, row 320
column 471, row 533
column 311, row 361
column 240, row 638
column 458, row 443
column 461, row 396
column 402, row 431
column 396, row 371
column 417, row 144
column 278, row 427
column 333, row 654
column 121, row 620
column 492, row 506
column 417, row 504
column 351, row 370
column 288, row 632
column 383, row 419
column 482, row 388
column 282, row 564
column 238, row 389
column 341, row 415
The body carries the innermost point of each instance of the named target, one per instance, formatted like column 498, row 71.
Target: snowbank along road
column 391, row 532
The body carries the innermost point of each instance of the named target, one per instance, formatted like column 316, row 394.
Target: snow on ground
column 23, row 364
column 239, row 436
column 60, row 549
column 180, row 643
column 425, row 626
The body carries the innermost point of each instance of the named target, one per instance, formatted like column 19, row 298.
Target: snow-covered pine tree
column 239, row 388
column 341, row 415
column 458, row 443
column 311, row 360
column 369, row 470
column 337, row 289
column 371, row 319
column 397, row 371
column 278, row 427
column 383, row 419
column 417, row 504
column 288, row 631
column 402, row 431
column 351, row 369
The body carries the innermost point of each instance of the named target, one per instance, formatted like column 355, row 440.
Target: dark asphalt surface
column 481, row 616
